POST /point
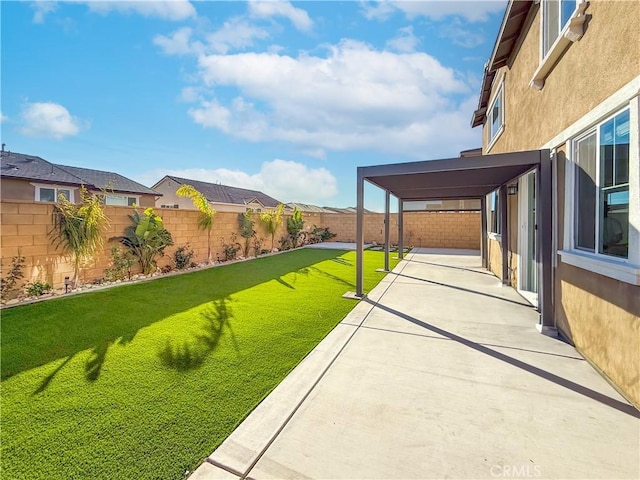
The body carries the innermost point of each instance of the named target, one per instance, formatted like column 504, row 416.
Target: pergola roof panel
column 469, row 177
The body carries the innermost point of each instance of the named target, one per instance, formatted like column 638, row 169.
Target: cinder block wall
column 25, row 228
column 421, row 229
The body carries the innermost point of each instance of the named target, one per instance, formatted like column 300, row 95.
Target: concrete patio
column 438, row 373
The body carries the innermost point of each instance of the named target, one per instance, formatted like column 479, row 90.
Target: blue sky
column 284, row 97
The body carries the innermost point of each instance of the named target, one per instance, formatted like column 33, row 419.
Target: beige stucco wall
column 602, row 317
column 12, row 189
column 598, row 314
column 605, row 59
column 494, row 257
column 167, row 188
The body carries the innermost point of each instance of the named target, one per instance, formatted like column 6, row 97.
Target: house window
column 555, row 16
column 52, row 194
column 121, row 200
column 602, row 188
column 494, row 213
column 496, row 116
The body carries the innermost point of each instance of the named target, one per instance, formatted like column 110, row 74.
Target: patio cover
column 466, row 178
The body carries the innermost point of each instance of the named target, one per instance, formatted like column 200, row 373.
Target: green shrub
column 37, row 289
column 230, row 250
column 146, row 239
column 182, row 257
column 121, row 263
column 320, row 234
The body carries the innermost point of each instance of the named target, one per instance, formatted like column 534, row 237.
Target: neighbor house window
column 602, row 188
column 494, row 212
column 555, row 16
column 52, row 194
column 496, row 116
column 121, row 200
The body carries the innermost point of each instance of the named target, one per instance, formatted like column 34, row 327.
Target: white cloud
column 377, row 10
column 42, row 8
column 3, row 118
column 284, row 180
column 267, row 9
column 235, row 34
column 166, row 9
column 356, row 98
column 471, row 10
column 178, row 43
column 465, row 37
column 405, row 41
column 48, row 119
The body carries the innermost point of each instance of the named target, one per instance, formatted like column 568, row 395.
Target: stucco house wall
column 14, row 189
column 598, row 313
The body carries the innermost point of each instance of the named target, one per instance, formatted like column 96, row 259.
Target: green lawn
column 144, row 381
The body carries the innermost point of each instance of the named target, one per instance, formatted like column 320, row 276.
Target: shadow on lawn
column 34, row 335
column 191, row 355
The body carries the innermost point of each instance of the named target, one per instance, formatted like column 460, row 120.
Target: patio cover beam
column 387, row 200
column 504, row 234
column 483, row 231
column 544, row 242
column 400, row 229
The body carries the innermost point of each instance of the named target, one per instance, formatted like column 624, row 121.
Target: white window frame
column 622, row 269
column 492, row 136
column 570, row 32
column 55, row 188
column 136, row 199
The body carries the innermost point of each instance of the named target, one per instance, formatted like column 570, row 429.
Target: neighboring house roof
column 513, row 22
column 217, row 193
column 305, row 207
column 108, row 181
column 31, row 167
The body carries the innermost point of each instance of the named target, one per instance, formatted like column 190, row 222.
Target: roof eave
column 515, row 16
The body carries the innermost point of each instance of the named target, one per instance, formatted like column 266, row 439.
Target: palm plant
column 245, row 222
column 295, row 224
column 77, row 229
column 146, row 239
column 272, row 219
column 205, row 222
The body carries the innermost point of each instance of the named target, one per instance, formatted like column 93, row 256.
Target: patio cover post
column 483, row 229
column 387, row 199
column 400, row 229
column 504, row 235
column 544, row 242
column 359, row 232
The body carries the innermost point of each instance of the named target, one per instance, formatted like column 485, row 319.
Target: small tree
column 146, row 238
column 205, row 222
column 9, row 281
column 272, row 219
column 77, row 229
column 295, row 224
column 245, row 222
